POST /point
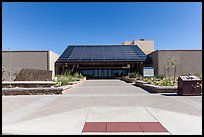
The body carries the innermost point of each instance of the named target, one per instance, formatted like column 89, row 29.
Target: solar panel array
column 102, row 53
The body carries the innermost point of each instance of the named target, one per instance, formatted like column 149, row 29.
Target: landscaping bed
column 31, row 91
column 156, row 89
column 39, row 90
column 27, row 84
column 62, row 83
column 68, row 78
column 155, row 84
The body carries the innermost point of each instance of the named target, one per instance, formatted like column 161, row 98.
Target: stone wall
column 34, row 75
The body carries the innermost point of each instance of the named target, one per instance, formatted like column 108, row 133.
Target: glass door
column 99, row 73
column 96, row 73
column 109, row 73
column 105, row 73
column 102, row 73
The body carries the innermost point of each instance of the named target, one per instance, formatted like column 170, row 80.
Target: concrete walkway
column 100, row 101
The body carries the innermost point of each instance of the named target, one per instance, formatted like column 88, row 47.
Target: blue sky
column 54, row 26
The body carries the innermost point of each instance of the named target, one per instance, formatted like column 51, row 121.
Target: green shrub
column 159, row 76
column 155, row 82
column 134, row 75
column 166, row 82
column 198, row 75
column 159, row 82
column 68, row 73
column 67, row 77
column 63, row 80
column 78, row 75
column 148, row 79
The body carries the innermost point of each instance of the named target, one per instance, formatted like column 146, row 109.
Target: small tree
column 168, row 66
column 171, row 62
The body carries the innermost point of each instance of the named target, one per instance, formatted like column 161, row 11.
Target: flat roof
column 26, row 50
column 101, row 53
column 175, row 50
column 181, row 50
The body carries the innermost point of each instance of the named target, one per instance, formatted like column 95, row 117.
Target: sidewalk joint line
column 156, row 118
column 86, row 119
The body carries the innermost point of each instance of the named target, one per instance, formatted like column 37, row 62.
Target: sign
column 148, row 71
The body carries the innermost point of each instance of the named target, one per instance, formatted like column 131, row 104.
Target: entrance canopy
column 102, row 53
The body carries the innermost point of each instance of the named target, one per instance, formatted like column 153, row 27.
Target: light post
column 9, row 68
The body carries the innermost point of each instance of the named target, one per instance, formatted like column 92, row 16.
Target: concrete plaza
column 100, row 101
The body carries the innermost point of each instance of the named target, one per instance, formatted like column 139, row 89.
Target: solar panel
column 103, row 53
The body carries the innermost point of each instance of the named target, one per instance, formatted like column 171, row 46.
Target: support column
column 128, row 68
column 141, row 65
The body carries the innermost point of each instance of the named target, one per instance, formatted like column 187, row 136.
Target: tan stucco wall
column 52, row 58
column 187, row 61
column 128, row 42
column 147, row 46
column 154, row 61
column 41, row 60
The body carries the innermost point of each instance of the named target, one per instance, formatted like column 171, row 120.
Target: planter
column 156, row 89
column 31, row 91
column 28, row 84
column 128, row 80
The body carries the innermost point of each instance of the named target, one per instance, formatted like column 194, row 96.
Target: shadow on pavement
column 147, row 90
column 169, row 94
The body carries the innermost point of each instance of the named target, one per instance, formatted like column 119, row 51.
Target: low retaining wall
column 31, row 91
column 28, row 84
column 39, row 90
column 128, row 80
column 156, row 89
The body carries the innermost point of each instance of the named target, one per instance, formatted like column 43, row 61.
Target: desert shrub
column 198, row 75
column 78, row 75
column 63, row 80
column 159, row 82
column 159, row 76
column 166, row 82
column 134, row 75
column 67, row 77
column 149, row 80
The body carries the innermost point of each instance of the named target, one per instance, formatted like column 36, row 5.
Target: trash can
column 189, row 86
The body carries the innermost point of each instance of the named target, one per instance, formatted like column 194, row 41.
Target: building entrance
column 104, row 73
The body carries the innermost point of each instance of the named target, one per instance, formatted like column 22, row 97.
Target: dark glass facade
column 104, row 73
column 101, row 61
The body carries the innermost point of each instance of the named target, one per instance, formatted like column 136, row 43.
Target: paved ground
column 100, row 101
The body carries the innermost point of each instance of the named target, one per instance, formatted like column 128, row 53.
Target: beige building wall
column 187, row 61
column 147, row 46
column 154, row 61
column 39, row 60
column 52, row 58
column 128, row 42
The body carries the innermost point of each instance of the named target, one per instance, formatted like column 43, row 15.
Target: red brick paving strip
column 152, row 127
column 94, row 127
column 123, row 127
